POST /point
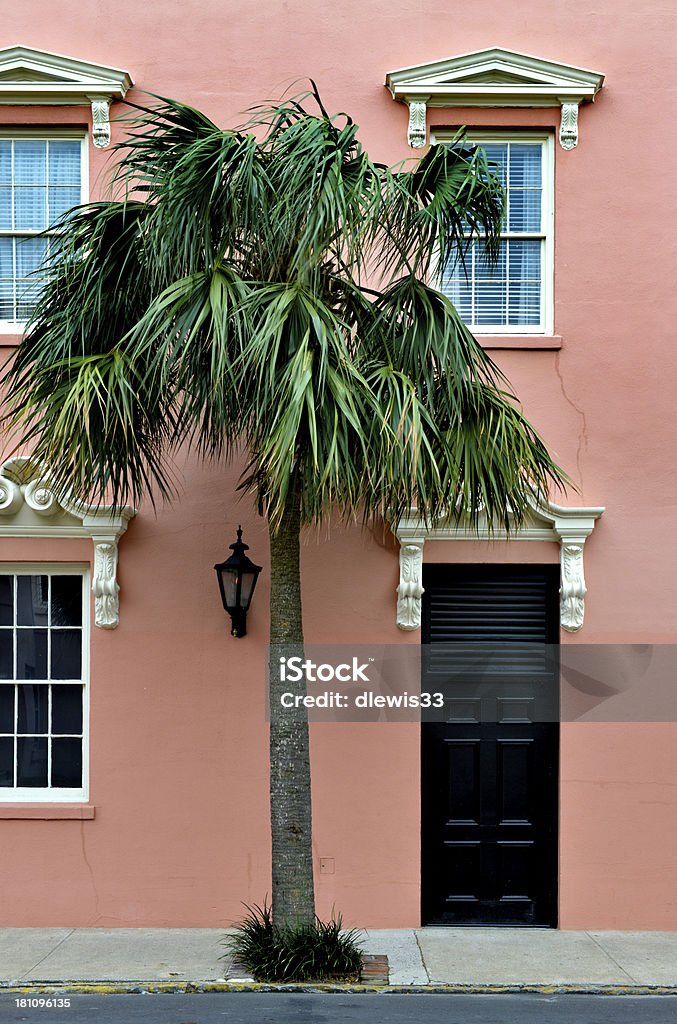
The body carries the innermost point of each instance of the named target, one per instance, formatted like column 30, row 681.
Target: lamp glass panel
column 229, row 580
column 248, row 581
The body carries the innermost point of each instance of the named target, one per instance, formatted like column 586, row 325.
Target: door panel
column 489, row 770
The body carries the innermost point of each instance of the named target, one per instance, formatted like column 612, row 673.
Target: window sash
column 17, row 290
column 465, row 295
column 49, row 793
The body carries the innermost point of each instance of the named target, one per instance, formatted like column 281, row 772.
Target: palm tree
column 267, row 290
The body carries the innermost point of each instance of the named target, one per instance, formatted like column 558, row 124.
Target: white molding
column 20, row 133
column 569, row 527
column 546, row 235
column 568, row 127
column 410, row 589
column 495, row 78
column 55, row 795
column 417, row 132
column 30, row 508
column 29, row 76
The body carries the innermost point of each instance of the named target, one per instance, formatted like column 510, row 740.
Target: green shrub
column 318, row 952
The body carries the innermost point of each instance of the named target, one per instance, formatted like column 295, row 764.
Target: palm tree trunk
column 293, row 893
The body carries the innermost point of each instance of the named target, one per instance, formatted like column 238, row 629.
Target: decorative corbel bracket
column 104, row 582
column 100, row 121
column 417, row 133
column 572, row 528
column 29, row 507
column 410, row 589
column 569, row 527
column 568, row 126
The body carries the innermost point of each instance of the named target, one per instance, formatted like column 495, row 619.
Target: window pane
column 6, row 257
column 66, row 710
column 5, row 208
column 66, row 654
column 525, row 210
column 31, row 601
column 30, row 208
column 525, row 166
column 27, row 294
column 524, row 260
column 66, row 600
column 6, row 761
column 458, row 290
column 484, row 269
column 7, row 300
column 64, row 162
column 31, row 654
column 33, row 702
column 497, row 152
column 7, row 708
column 30, row 253
column 490, row 300
column 525, row 303
column 67, row 763
column 61, row 200
column 6, row 654
column 30, row 162
column 31, row 761
column 6, row 600
column 5, row 162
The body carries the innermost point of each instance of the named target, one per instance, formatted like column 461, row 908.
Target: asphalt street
column 309, row 1008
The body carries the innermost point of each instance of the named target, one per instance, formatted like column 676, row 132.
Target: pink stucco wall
column 178, row 736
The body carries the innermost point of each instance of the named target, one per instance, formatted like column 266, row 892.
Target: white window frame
column 58, row 795
column 547, row 234
column 55, row 135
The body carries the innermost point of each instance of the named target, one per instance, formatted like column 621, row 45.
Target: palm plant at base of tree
column 267, row 290
column 296, row 952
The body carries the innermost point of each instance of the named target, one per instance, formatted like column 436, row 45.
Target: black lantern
column 237, row 578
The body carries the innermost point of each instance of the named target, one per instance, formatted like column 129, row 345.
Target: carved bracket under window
column 569, row 527
column 30, row 508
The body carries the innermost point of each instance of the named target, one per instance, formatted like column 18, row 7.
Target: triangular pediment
column 29, row 75
column 494, row 77
column 38, row 76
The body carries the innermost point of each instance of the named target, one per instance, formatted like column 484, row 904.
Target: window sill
column 9, row 339
column 520, row 341
column 47, row 812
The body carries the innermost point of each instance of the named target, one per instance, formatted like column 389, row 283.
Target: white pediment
column 29, row 76
column 30, row 508
column 494, row 78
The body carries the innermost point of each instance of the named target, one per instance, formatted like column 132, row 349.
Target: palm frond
column 269, row 288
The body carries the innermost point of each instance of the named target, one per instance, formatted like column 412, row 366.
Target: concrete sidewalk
column 438, row 956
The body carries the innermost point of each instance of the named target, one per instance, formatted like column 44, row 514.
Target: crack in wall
column 583, row 433
column 97, row 914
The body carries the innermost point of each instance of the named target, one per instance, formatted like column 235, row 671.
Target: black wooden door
column 489, row 769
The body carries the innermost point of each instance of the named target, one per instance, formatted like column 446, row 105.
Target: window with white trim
column 515, row 295
column 43, row 692
column 40, row 179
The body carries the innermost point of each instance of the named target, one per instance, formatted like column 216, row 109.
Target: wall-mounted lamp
column 237, row 578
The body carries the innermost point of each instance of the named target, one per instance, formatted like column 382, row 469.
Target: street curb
column 176, row 988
